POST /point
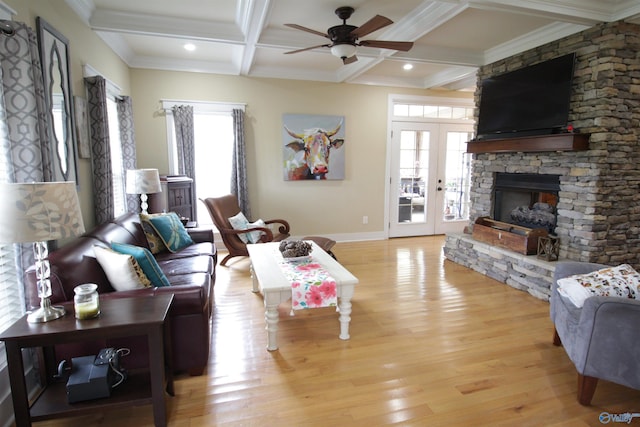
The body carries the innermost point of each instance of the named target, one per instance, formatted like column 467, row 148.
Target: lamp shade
column 343, row 50
column 143, row 181
column 39, row 211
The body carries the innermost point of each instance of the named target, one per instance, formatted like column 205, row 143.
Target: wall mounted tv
column 533, row 100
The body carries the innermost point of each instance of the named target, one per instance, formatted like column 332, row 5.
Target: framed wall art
column 313, row 147
column 54, row 57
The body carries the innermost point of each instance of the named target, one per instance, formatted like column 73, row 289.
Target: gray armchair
column 602, row 338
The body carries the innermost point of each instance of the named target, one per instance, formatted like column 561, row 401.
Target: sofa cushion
column 171, row 231
column 122, row 270
column 621, row 281
column 146, row 260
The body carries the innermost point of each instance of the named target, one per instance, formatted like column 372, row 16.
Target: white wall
column 332, row 208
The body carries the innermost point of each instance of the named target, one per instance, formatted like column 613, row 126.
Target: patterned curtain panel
column 100, row 149
column 185, row 143
column 183, row 122
column 30, row 152
column 239, row 164
column 27, row 146
column 128, row 142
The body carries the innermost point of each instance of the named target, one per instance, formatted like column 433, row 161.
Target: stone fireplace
column 598, row 196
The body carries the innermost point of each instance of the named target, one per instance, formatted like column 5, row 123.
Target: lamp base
column 46, row 312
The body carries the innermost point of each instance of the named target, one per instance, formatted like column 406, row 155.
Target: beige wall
column 329, row 207
column 85, row 48
column 312, row 207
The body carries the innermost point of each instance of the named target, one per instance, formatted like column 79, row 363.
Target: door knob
column 439, row 188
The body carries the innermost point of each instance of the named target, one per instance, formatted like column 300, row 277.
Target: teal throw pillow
column 146, row 261
column 171, row 231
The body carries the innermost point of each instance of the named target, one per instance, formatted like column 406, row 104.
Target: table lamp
column 38, row 212
column 143, row 182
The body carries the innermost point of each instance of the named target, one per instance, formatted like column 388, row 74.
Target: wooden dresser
column 177, row 196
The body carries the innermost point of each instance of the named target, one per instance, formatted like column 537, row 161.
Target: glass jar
column 86, row 301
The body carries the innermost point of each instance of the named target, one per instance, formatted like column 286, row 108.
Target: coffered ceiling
column 248, row 37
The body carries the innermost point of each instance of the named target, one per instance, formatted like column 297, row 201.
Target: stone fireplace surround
column 599, row 198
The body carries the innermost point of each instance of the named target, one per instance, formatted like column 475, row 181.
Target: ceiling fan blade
column 371, row 25
column 308, row 30
column 306, row 48
column 349, row 60
column 382, row 44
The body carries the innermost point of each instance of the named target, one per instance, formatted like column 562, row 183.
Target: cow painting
column 307, row 156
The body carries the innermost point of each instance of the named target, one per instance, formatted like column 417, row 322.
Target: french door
column 429, row 178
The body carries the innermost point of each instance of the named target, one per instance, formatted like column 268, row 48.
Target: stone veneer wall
column 599, row 199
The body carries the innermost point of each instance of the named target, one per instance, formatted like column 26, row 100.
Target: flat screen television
column 533, row 100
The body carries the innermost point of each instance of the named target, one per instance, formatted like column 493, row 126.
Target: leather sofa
column 190, row 271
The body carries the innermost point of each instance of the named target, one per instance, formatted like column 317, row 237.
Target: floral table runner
column 311, row 285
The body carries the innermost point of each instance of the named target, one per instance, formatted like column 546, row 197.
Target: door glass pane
column 458, row 177
column 414, row 163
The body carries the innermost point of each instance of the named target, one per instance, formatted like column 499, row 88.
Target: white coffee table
column 269, row 280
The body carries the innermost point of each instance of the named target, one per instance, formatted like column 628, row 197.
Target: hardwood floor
column 432, row 344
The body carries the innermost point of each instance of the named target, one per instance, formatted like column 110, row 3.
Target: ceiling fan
column 344, row 38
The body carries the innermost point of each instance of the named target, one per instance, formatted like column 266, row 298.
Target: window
column 432, row 111
column 11, row 301
column 117, row 165
column 213, row 141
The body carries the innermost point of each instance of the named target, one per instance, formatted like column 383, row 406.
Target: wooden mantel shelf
column 524, row 144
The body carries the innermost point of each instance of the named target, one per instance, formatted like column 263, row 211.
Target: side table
column 119, row 317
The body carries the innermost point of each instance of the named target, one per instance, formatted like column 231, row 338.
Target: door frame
column 391, row 118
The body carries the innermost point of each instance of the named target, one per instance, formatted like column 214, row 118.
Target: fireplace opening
column 528, row 200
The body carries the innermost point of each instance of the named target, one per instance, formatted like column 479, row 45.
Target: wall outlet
column 365, row 219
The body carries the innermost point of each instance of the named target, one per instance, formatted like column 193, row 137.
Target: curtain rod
column 167, row 104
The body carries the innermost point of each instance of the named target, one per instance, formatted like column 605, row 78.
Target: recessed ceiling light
column 407, row 66
column 190, row 47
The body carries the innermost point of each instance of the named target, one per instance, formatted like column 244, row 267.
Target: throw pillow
column 240, row 222
column 123, row 271
column 156, row 245
column 254, row 236
column 621, row 281
column 146, row 260
column 171, row 231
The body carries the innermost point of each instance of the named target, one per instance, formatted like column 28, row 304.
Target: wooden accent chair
column 225, row 207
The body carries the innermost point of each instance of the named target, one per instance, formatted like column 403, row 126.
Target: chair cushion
column 621, row 281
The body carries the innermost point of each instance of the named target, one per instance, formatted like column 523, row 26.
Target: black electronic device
column 93, row 377
column 533, row 100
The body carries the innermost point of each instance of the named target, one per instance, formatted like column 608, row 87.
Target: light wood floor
column 432, row 344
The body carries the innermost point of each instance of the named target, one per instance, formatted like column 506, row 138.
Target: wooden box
column 508, row 236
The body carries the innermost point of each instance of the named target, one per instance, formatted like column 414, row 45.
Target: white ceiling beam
column 531, row 40
column 423, row 19
column 585, row 12
column 165, row 26
column 252, row 16
column 449, row 76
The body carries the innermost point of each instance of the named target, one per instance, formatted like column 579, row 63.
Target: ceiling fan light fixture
column 343, row 50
